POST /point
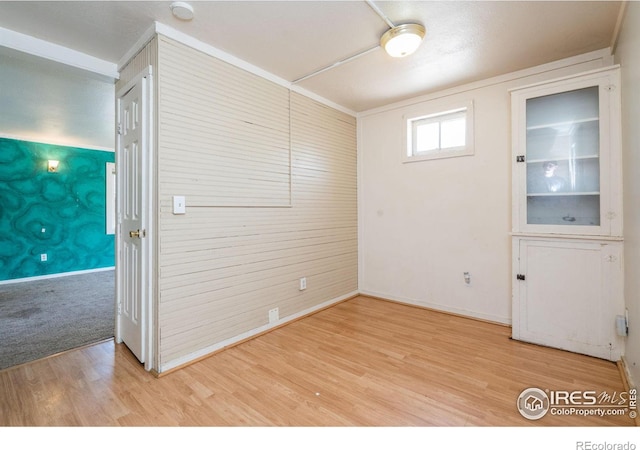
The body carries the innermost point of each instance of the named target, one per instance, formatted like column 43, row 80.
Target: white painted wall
column 627, row 55
column 55, row 103
column 423, row 224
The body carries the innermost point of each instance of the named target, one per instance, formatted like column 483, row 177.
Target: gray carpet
column 45, row 317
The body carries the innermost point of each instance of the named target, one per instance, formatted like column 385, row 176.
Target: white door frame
column 148, row 223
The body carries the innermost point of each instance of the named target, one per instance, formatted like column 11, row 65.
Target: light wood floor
column 364, row 362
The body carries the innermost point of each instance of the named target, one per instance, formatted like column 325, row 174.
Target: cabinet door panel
column 566, row 156
column 563, row 292
column 568, row 298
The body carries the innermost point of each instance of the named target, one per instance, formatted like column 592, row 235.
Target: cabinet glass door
column 563, row 158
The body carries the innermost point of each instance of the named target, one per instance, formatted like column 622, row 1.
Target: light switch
column 179, row 204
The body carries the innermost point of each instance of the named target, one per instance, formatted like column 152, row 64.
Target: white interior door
column 132, row 291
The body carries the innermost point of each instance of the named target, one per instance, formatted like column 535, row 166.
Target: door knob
column 137, row 234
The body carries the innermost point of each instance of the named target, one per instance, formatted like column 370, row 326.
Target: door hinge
column 520, row 277
column 520, row 158
column 119, row 308
column 120, row 129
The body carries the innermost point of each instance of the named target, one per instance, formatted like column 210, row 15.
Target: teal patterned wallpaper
column 59, row 214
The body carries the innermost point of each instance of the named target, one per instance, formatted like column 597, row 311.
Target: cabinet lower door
column 567, row 295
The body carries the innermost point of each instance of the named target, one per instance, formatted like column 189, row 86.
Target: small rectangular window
column 442, row 134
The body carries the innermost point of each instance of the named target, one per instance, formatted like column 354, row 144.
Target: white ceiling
column 466, row 40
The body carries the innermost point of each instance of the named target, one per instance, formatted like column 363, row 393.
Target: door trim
column 148, row 219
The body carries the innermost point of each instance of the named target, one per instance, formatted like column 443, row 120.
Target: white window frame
column 110, row 176
column 434, row 112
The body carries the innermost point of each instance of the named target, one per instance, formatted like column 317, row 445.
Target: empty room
column 325, row 213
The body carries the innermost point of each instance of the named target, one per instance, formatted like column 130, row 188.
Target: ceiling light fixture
column 402, row 40
column 398, row 41
column 182, row 10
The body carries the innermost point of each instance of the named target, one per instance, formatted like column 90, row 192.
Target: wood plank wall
column 148, row 56
column 233, row 123
column 241, row 248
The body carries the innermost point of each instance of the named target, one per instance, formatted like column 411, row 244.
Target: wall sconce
column 52, row 165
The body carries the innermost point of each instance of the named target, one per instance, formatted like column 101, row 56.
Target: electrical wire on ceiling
column 352, row 57
column 380, row 13
column 414, row 31
column 336, row 64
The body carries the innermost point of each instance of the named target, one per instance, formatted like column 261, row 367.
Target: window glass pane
column 563, row 158
column 439, row 135
column 453, row 133
column 564, row 108
column 427, row 137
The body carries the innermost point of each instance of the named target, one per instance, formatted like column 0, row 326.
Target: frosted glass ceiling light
column 182, row 10
column 402, row 40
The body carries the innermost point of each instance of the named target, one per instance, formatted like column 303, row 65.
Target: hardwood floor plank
column 364, row 362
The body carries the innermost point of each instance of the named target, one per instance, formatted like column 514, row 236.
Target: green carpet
column 44, row 317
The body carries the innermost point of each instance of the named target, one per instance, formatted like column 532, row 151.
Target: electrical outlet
column 303, row 283
column 43, row 257
column 274, row 315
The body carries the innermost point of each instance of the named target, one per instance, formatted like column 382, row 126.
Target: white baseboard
column 439, row 307
column 167, row 366
column 55, row 275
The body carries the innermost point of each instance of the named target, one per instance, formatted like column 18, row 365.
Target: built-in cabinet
column 567, row 214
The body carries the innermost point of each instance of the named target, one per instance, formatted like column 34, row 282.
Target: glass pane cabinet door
column 563, row 158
